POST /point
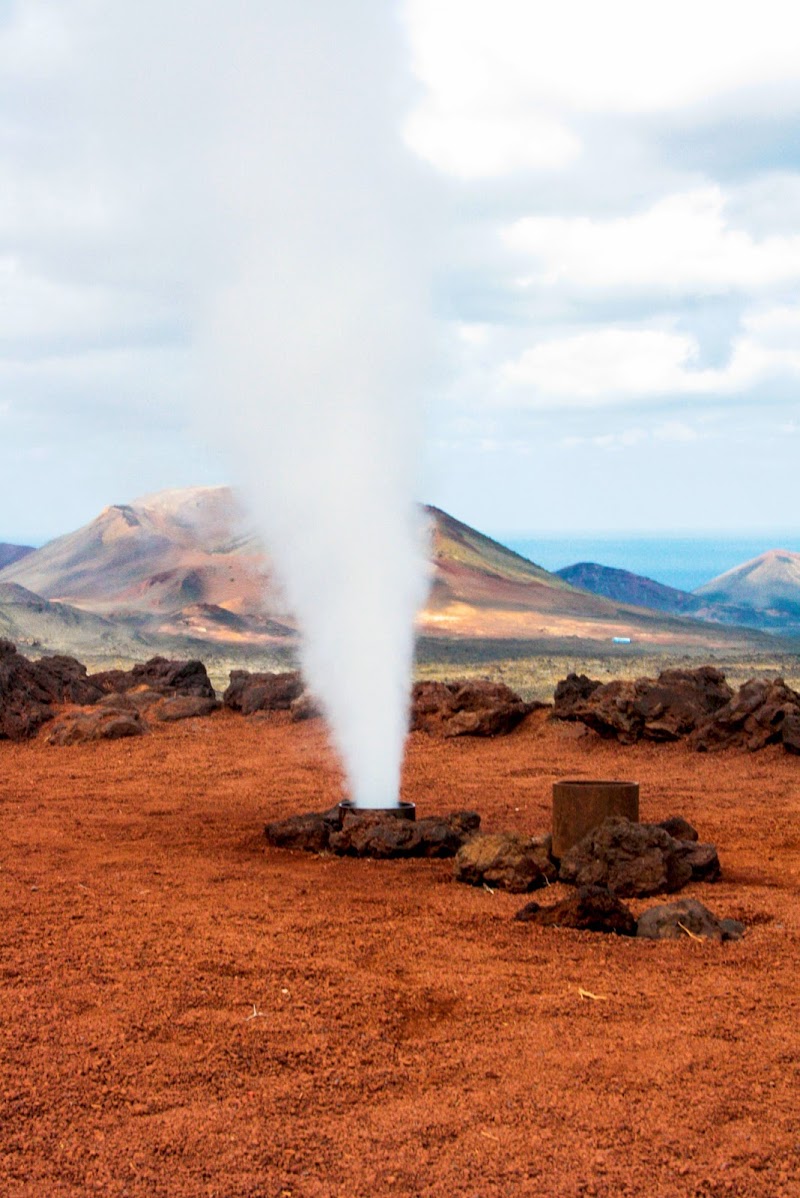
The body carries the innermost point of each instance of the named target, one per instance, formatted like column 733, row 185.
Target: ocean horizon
column 676, row 559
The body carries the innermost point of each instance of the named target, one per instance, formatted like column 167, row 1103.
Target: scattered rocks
column 570, row 693
column 590, row 908
column 381, row 836
column 310, row 831
column 158, row 674
column 249, row 693
column 373, row 834
column 685, row 919
column 95, row 723
column 629, row 859
column 661, row 709
column 467, row 708
column 763, row 712
column 29, row 690
column 679, row 828
column 506, row 861
column 698, row 704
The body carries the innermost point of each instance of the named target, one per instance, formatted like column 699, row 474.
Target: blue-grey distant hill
column 13, row 553
column 768, row 585
column 715, row 601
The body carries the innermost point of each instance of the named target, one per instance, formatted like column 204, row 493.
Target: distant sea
column 679, row 561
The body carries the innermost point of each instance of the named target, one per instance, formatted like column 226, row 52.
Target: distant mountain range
column 768, row 585
column 763, row 593
column 13, row 553
column 183, row 566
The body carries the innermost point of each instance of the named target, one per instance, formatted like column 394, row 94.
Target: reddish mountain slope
column 182, row 563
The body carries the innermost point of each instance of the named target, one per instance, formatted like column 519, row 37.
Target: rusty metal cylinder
column 579, row 806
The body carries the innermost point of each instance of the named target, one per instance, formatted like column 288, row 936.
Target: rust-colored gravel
column 187, row 1013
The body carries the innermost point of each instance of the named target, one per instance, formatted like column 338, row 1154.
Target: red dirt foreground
column 187, row 1012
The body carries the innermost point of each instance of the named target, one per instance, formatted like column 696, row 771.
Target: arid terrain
column 188, row 1012
column 181, row 573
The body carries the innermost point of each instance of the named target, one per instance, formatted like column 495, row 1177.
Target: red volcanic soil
column 186, row 1012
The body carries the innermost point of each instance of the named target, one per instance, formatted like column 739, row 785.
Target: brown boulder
column 629, row 859
column 249, row 693
column 589, row 909
column 305, row 707
column 377, row 835
column 30, row 689
column 764, row 711
column 158, row 674
column 661, row 709
column 373, row 834
column 466, row 708
column 703, row 861
column 309, row 831
column 678, row 828
column 506, row 861
column 790, row 732
column 570, row 692
column 185, row 707
column 106, row 722
column 684, row 920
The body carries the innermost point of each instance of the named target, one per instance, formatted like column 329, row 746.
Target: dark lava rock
column 661, row 709
column 629, row 859
column 506, row 861
column 249, row 693
column 94, row 723
column 570, row 692
column 467, row 708
column 30, row 689
column 185, row 707
column 310, row 831
column 703, row 861
column 373, row 834
column 679, row 828
column 305, row 707
column 763, row 712
column 379, row 835
column 158, row 674
column 680, row 921
column 790, row 732
column 467, row 823
column 732, row 929
column 590, row 909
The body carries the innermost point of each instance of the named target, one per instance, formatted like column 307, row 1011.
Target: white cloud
column 624, row 365
column 676, row 431
column 526, row 70
column 683, row 244
column 471, row 146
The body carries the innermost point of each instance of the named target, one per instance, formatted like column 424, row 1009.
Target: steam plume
column 319, row 339
column 255, row 151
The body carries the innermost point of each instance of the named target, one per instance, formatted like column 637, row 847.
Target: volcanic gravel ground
column 186, row 1012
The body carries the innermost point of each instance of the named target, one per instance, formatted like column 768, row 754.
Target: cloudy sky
column 616, row 293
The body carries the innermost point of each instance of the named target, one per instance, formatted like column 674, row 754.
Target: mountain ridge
column 625, row 586
column 13, row 553
column 184, row 563
column 769, row 583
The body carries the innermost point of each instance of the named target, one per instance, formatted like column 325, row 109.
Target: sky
column 616, row 292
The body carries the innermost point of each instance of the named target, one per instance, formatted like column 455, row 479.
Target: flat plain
column 188, row 1012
